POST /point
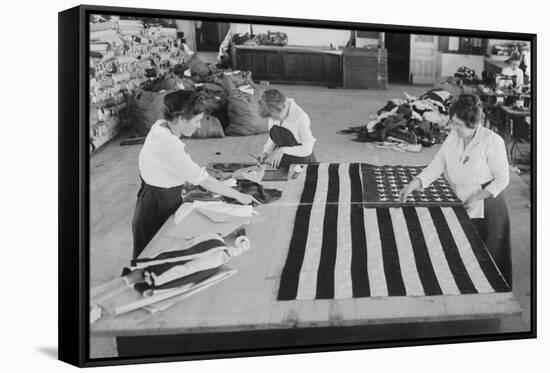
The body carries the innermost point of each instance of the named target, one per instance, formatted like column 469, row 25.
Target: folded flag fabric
column 196, row 260
column 341, row 247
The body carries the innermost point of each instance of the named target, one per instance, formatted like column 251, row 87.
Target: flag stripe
column 293, row 265
column 421, row 255
column 485, row 260
column 325, row 276
column 375, row 264
column 390, row 257
column 307, row 282
column 462, row 278
column 466, row 253
column 342, row 267
column 405, row 251
column 360, row 279
column 441, row 266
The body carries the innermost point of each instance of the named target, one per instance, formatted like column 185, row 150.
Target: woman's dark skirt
column 494, row 230
column 153, row 207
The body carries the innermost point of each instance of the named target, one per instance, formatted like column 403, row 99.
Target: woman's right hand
column 247, row 199
column 415, row 184
column 262, row 157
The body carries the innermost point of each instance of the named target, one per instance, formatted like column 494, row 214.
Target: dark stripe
column 161, row 268
column 325, row 275
column 199, row 248
column 424, row 265
column 459, row 271
column 194, row 278
column 359, row 277
column 480, row 251
column 288, row 287
column 390, row 256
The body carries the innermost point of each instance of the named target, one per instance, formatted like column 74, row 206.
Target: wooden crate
column 365, row 68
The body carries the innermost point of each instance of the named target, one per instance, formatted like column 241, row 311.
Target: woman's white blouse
column 518, row 73
column 484, row 160
column 299, row 124
column 163, row 161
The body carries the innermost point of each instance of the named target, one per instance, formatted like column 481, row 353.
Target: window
column 463, row 45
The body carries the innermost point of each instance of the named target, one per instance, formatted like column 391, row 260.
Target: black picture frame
column 74, row 171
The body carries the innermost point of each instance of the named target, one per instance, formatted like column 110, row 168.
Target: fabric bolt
column 342, row 248
column 483, row 161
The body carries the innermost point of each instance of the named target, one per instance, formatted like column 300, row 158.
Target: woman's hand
column 475, row 198
column 415, row 184
column 262, row 157
column 276, row 158
column 247, row 199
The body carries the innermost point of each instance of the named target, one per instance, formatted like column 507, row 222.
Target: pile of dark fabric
column 263, row 195
column 414, row 120
column 230, row 100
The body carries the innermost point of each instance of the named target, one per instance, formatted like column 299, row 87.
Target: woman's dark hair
column 514, row 57
column 272, row 101
column 468, row 109
column 182, row 102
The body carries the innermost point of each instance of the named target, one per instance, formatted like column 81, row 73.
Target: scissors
column 258, row 163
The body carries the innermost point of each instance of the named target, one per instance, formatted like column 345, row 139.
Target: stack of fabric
column 413, row 120
column 123, row 56
column 159, row 281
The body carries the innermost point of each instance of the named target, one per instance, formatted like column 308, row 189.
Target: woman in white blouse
column 474, row 161
column 165, row 166
column 290, row 138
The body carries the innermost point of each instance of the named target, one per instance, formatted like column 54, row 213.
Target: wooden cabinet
column 290, row 64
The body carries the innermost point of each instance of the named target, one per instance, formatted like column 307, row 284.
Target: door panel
column 423, row 59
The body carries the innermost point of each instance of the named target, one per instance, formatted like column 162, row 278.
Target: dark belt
column 155, row 189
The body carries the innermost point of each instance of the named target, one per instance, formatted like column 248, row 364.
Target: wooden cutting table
column 242, row 312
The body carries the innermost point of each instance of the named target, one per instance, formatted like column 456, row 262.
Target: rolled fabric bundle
column 102, row 26
column 103, row 35
column 120, row 77
column 164, row 273
column 125, row 59
column 133, row 23
column 99, row 47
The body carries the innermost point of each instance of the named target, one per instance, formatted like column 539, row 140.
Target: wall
column 449, row 63
column 303, row 36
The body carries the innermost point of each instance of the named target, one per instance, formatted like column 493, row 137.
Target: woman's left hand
column 471, row 201
column 276, row 157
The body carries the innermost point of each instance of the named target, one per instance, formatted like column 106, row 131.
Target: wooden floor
column 115, row 181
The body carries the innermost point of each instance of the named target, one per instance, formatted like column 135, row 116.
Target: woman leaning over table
column 165, row 166
column 474, row 161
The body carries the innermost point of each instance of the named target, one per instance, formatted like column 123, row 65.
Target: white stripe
column 375, row 264
column 407, row 262
column 466, row 253
column 307, row 283
column 342, row 268
column 437, row 256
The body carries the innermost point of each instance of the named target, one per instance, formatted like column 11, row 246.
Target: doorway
column 398, row 46
column 209, row 35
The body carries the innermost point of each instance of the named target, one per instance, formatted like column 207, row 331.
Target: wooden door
column 423, row 59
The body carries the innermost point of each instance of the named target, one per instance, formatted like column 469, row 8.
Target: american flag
column 342, row 247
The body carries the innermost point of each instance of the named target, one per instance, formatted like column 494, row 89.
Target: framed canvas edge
column 73, row 271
